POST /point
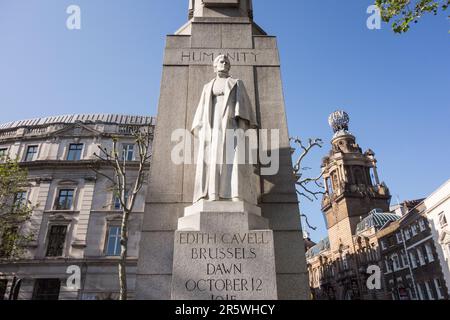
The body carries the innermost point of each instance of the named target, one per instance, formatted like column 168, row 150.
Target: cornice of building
column 82, row 164
column 81, row 118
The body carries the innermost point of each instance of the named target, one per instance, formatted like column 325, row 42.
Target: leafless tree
column 307, row 187
column 126, row 188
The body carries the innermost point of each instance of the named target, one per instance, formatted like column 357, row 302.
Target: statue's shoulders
column 234, row 81
column 210, row 83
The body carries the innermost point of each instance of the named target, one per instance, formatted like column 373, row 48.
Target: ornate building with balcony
column 355, row 206
column 412, row 267
column 76, row 218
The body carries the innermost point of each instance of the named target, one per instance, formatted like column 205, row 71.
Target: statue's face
column 223, row 65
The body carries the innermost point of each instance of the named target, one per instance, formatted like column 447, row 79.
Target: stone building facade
column 76, row 218
column 438, row 214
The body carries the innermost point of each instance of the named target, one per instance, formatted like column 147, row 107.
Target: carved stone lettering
column 224, row 266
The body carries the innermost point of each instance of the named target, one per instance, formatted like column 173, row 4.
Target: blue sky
column 396, row 88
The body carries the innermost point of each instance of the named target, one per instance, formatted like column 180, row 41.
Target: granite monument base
column 223, row 251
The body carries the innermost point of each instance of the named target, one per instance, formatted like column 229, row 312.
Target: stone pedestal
column 223, row 251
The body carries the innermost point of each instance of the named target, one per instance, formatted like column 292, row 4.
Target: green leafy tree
column 403, row 13
column 14, row 209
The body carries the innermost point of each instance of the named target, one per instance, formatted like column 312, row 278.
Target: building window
column 439, row 289
column 395, row 262
column 3, row 153
column 20, row 199
column 388, row 266
column 422, row 225
column 419, row 291
column 414, row 230
column 74, row 153
column 31, row 153
column 368, row 255
column 117, row 204
column 345, row 261
column 383, row 244
column 399, row 238
column 113, row 244
column 429, row 292
column 423, row 289
column 421, row 257
column 65, row 199
column 8, row 241
column 128, row 152
column 413, row 258
column 56, row 241
column 46, row 289
column 429, row 252
column 3, row 287
column 329, row 185
column 407, row 234
column 443, row 220
column 405, row 259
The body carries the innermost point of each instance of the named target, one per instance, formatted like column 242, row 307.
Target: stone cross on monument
column 216, row 229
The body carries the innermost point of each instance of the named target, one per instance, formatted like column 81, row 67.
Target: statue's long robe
column 232, row 179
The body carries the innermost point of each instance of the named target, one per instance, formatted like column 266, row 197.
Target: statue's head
column 222, row 64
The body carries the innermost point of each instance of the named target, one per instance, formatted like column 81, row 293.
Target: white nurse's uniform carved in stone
column 224, row 105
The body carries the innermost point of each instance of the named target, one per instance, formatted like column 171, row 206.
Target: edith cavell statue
column 223, row 117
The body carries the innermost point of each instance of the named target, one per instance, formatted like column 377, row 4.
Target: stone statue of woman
column 224, row 105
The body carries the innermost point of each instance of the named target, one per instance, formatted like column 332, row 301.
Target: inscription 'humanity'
column 250, row 57
column 204, row 56
column 223, row 266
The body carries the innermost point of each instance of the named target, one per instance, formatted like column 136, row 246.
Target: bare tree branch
column 126, row 193
column 307, row 222
column 303, row 183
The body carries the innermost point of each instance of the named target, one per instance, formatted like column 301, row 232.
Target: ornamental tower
column 352, row 185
